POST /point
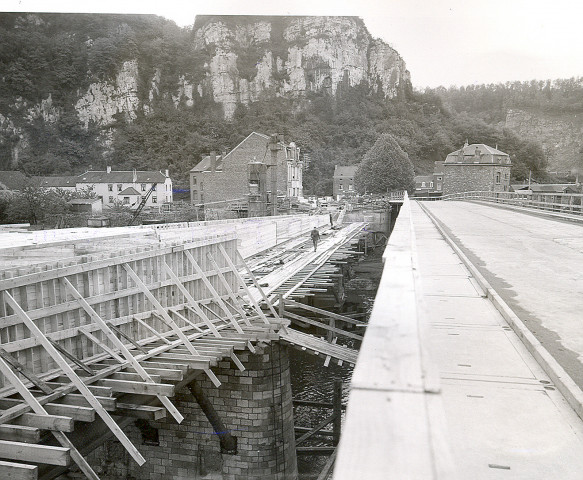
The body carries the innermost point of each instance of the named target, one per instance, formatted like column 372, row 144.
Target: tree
column 34, row 204
column 385, row 167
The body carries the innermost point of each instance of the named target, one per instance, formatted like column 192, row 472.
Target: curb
column 560, row 378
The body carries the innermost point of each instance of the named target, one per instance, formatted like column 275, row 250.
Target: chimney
column 167, row 174
column 477, row 152
column 224, row 154
column 109, row 169
column 135, row 176
column 213, row 156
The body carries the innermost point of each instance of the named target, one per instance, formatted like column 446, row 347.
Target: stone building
column 344, row 181
column 226, row 177
column 476, row 167
column 128, row 187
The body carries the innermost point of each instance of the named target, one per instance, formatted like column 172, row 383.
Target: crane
column 142, row 204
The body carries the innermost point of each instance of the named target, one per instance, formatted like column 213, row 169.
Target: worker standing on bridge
column 315, row 237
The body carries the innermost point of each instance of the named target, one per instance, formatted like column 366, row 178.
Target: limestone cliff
column 252, row 56
column 560, row 134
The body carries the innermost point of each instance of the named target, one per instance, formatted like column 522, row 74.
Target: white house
column 128, row 187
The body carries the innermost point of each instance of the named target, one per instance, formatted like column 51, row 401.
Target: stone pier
column 256, row 407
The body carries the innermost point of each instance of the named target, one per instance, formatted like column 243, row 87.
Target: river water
column 312, row 381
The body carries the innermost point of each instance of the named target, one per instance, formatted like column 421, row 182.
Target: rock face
column 104, row 100
column 560, row 134
column 238, row 60
column 253, row 56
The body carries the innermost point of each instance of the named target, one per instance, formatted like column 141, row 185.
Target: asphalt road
column 534, row 263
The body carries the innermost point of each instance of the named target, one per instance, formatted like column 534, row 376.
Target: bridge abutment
column 255, row 405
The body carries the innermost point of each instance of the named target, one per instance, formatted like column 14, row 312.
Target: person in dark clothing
column 331, row 220
column 315, row 237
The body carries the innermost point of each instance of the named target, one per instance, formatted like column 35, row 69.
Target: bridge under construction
column 162, row 351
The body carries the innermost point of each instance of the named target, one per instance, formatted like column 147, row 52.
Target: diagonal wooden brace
column 211, row 289
column 243, row 284
column 227, row 286
column 66, row 368
column 193, row 303
column 37, row 408
column 121, row 347
column 168, row 320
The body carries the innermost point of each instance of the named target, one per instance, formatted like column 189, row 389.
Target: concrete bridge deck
column 444, row 387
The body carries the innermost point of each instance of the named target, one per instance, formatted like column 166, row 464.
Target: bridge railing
column 571, row 203
column 395, row 421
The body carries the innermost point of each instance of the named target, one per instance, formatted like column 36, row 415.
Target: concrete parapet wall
column 256, row 407
column 395, row 418
column 254, row 234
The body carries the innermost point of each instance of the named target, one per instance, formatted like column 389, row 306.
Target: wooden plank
column 128, row 338
column 109, row 403
column 19, row 433
column 168, row 319
column 120, row 435
column 339, row 331
column 152, row 329
column 102, row 345
column 35, row 453
column 81, row 414
column 125, row 352
column 145, row 412
column 244, row 285
column 325, row 313
column 227, row 286
column 25, row 372
column 56, row 423
column 211, row 289
column 142, row 388
column 192, row 302
column 160, row 373
column 17, row 471
column 71, row 357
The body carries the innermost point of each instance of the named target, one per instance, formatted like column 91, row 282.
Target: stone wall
column 255, row 405
column 475, row 177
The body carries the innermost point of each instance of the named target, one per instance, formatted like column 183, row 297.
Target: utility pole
column 273, row 147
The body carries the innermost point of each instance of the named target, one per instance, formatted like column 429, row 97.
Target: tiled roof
column 84, row 201
column 487, row 153
column 121, row 177
column 12, row 180
column 345, row 170
column 129, row 191
column 205, row 164
column 58, row 182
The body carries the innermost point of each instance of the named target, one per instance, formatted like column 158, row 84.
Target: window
column 110, row 199
column 350, row 187
column 422, row 184
column 110, row 187
column 126, row 200
column 143, row 187
column 154, row 199
column 497, row 177
column 430, row 184
column 439, row 178
column 194, row 180
column 340, row 187
column 119, row 187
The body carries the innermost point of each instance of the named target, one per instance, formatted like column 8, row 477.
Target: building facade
column 476, row 167
column 229, row 176
column 343, row 184
column 128, row 187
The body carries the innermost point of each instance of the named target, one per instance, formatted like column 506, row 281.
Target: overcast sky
column 443, row 42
